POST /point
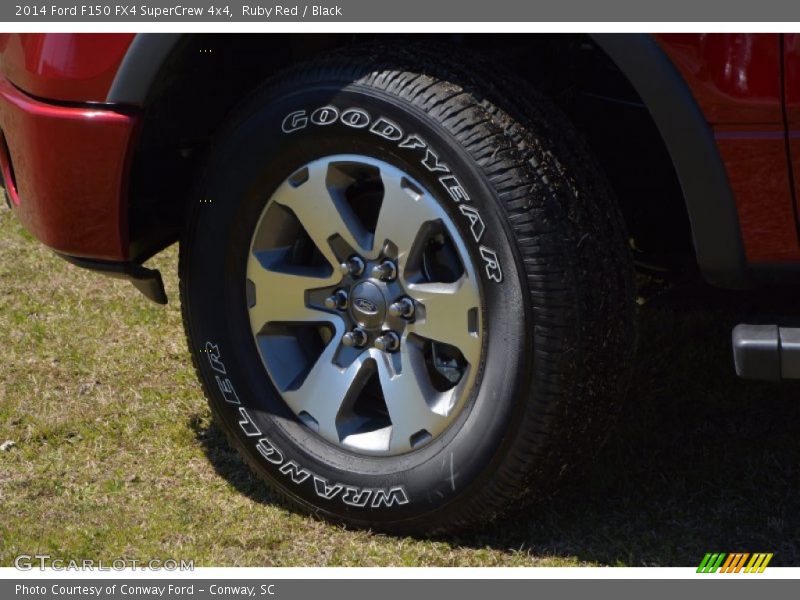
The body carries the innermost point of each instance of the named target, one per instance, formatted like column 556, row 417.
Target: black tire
column 556, row 284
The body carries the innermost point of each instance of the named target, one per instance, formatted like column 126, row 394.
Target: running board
column 766, row 352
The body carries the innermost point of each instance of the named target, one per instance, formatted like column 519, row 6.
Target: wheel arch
column 149, row 68
column 690, row 142
column 146, row 55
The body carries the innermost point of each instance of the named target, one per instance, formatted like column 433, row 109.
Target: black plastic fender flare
column 690, row 142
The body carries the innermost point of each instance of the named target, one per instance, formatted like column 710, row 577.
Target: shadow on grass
column 227, row 462
column 701, row 461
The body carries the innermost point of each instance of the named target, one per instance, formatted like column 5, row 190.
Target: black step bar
column 766, row 352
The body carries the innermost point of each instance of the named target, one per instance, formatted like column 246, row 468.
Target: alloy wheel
column 364, row 305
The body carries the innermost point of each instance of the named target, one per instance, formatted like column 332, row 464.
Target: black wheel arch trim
column 139, row 70
column 687, row 136
column 690, row 142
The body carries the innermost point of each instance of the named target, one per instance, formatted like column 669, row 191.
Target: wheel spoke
column 403, row 212
column 325, row 389
column 446, row 315
column 321, row 215
column 281, row 297
column 409, row 396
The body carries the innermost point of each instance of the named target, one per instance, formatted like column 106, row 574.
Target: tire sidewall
column 250, row 159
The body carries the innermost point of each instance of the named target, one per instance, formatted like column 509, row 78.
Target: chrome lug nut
column 404, row 307
column 389, row 341
column 337, row 301
column 386, row 271
column 355, row 339
column 352, row 266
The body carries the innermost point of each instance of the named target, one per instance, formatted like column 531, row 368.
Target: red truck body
column 70, row 160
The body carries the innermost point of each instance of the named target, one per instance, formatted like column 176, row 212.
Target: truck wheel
column 410, row 307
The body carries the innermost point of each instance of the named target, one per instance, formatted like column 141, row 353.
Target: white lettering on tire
column 382, row 127
column 386, row 129
column 296, row 473
column 476, row 222
column 493, row 270
column 325, row 115
column 355, row 118
column 294, row 121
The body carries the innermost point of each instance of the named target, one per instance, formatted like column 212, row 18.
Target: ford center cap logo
column 368, row 306
column 365, row 306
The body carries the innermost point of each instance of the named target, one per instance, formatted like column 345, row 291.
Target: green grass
column 115, row 454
